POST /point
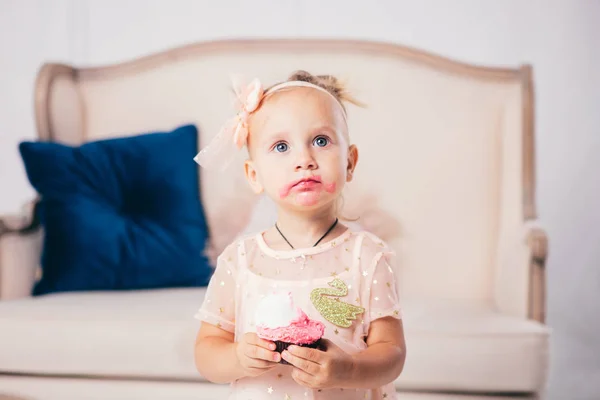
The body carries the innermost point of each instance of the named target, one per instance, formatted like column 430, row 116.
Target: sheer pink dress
column 248, row 269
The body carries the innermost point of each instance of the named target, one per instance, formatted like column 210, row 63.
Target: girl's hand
column 317, row 369
column 256, row 355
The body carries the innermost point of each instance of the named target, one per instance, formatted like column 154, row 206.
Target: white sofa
column 456, row 140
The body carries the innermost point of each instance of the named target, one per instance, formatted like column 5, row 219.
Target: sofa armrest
column 20, row 248
column 520, row 279
column 538, row 246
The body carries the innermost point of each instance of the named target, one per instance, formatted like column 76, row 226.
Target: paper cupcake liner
column 281, row 346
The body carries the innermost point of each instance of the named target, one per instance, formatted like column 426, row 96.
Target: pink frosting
column 302, row 330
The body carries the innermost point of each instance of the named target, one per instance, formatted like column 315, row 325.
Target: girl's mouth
column 303, row 184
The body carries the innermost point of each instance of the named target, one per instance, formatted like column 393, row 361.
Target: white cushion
column 451, row 345
column 138, row 333
column 456, row 345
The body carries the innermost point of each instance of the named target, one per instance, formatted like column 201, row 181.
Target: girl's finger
column 302, row 378
column 307, row 366
column 265, row 344
column 260, row 353
column 260, row 364
column 306, row 353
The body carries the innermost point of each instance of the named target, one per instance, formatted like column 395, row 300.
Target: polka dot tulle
column 346, row 283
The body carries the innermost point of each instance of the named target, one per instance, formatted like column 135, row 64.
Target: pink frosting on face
column 302, row 330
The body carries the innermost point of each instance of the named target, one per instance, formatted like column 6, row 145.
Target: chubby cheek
column 275, row 185
column 282, row 192
column 336, row 179
column 330, row 187
column 334, row 174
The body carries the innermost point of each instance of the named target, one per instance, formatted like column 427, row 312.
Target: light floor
column 44, row 388
column 444, row 396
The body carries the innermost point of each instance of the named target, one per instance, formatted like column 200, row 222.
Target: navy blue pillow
column 120, row 214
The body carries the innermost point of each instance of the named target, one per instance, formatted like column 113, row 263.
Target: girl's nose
column 306, row 161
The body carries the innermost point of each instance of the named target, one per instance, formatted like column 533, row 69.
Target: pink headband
column 234, row 133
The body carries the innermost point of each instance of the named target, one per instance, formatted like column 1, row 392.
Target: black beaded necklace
column 318, row 241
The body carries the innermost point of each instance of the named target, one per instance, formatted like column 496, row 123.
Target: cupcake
column 278, row 320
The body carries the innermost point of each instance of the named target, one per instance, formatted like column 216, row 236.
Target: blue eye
column 321, row 141
column 281, row 147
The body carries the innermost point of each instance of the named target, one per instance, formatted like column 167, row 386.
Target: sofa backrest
column 446, row 148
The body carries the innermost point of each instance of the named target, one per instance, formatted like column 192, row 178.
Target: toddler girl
column 301, row 157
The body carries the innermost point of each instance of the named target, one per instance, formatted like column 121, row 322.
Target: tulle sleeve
column 384, row 300
column 218, row 306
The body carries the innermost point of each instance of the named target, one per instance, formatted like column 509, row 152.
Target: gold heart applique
column 334, row 310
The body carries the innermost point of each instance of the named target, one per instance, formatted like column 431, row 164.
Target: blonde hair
column 330, row 83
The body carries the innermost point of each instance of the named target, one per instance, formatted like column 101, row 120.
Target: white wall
column 560, row 38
